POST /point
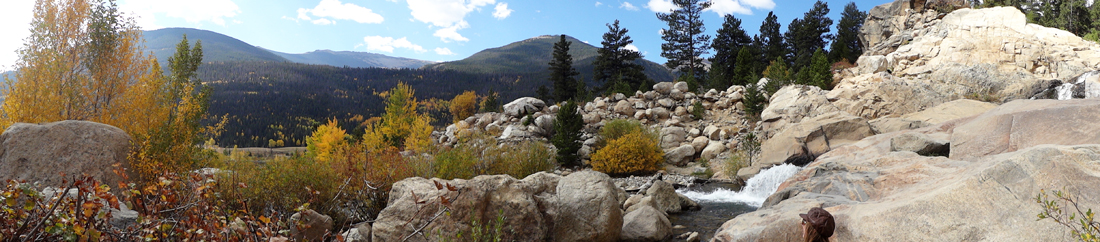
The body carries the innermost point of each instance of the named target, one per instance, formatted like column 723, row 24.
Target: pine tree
column 770, row 41
column 754, row 101
column 562, row 73
column 743, row 67
column 614, row 65
column 778, row 74
column 684, row 39
column 817, row 73
column 808, row 34
column 567, row 134
column 727, row 46
column 847, row 45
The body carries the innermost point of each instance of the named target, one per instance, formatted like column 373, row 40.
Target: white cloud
column 446, row 14
column 450, row 33
column 598, row 3
column 501, row 11
column 444, row 51
column 387, row 44
column 628, row 6
column 16, row 16
column 760, row 4
column 631, row 47
column 192, row 11
column 661, row 6
column 337, row 10
column 723, row 7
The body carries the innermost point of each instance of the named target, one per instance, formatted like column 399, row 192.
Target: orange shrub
column 631, row 153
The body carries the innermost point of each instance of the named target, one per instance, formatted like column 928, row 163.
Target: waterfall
column 756, row 190
column 1086, row 89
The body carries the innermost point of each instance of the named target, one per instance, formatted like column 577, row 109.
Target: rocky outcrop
column 583, row 206
column 1025, row 123
column 42, row 152
column 812, row 137
column 523, row 106
column 878, row 192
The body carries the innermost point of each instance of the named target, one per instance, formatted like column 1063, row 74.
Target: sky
column 434, row 30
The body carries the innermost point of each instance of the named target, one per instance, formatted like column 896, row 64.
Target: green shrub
column 632, row 153
column 697, row 110
column 620, row 127
column 735, row 162
column 1066, row 210
column 520, row 160
column 481, row 154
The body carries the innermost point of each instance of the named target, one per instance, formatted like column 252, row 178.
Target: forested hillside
column 285, row 101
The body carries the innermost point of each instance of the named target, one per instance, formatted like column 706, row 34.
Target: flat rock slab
column 1025, row 123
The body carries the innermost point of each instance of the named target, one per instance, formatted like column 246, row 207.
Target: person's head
column 817, row 225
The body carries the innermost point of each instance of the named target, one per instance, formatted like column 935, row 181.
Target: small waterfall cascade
column 1079, row 87
column 756, row 190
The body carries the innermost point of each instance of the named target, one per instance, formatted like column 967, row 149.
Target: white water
column 756, row 190
column 1065, row 91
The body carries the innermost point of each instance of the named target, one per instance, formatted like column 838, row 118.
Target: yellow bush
column 463, row 105
column 632, row 153
column 325, row 140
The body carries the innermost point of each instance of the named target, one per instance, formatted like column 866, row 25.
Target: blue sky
column 435, row 30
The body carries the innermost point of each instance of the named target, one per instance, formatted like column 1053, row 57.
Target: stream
column 722, row 202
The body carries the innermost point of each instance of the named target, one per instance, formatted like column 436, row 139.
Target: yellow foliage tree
column 86, row 61
column 326, row 140
column 401, row 126
column 632, row 153
column 463, row 105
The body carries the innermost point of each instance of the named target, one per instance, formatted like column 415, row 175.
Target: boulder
column 309, row 225
column 790, row 105
column 660, row 113
column 624, row 107
column 874, row 194
column 663, row 88
column 680, row 155
column 529, row 206
column 1025, row 123
column 42, row 152
column 711, row 132
column 922, row 144
column 672, row 136
column 514, row 132
column 523, row 106
column 871, row 64
column 699, row 143
column 545, row 122
column 813, row 137
column 359, row 233
column 645, row 224
column 681, row 86
column 667, row 200
column 587, row 208
column 712, row 150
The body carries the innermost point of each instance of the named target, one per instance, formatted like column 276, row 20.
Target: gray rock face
column 588, row 208
column 523, row 106
column 41, row 152
column 309, row 225
column 1026, row 123
column 923, row 144
column 645, row 224
column 680, row 155
column 813, row 136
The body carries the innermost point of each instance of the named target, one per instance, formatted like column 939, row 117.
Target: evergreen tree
column 491, row 104
column 567, row 134
column 847, row 45
column 770, row 41
column 614, row 63
column 544, row 93
column 754, row 101
column 817, row 73
column 778, row 74
column 808, row 34
column 562, row 73
column 743, row 73
column 727, row 46
column 684, row 39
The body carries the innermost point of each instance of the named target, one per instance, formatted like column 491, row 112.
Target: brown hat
column 821, row 221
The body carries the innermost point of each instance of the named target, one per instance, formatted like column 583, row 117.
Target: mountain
column 215, row 46
column 220, row 47
column 352, row 59
column 533, row 55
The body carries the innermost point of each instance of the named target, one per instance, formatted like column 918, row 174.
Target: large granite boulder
column 645, row 224
column 43, row 152
column 879, row 194
column 583, row 206
column 523, row 106
column 1025, row 123
column 309, row 225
